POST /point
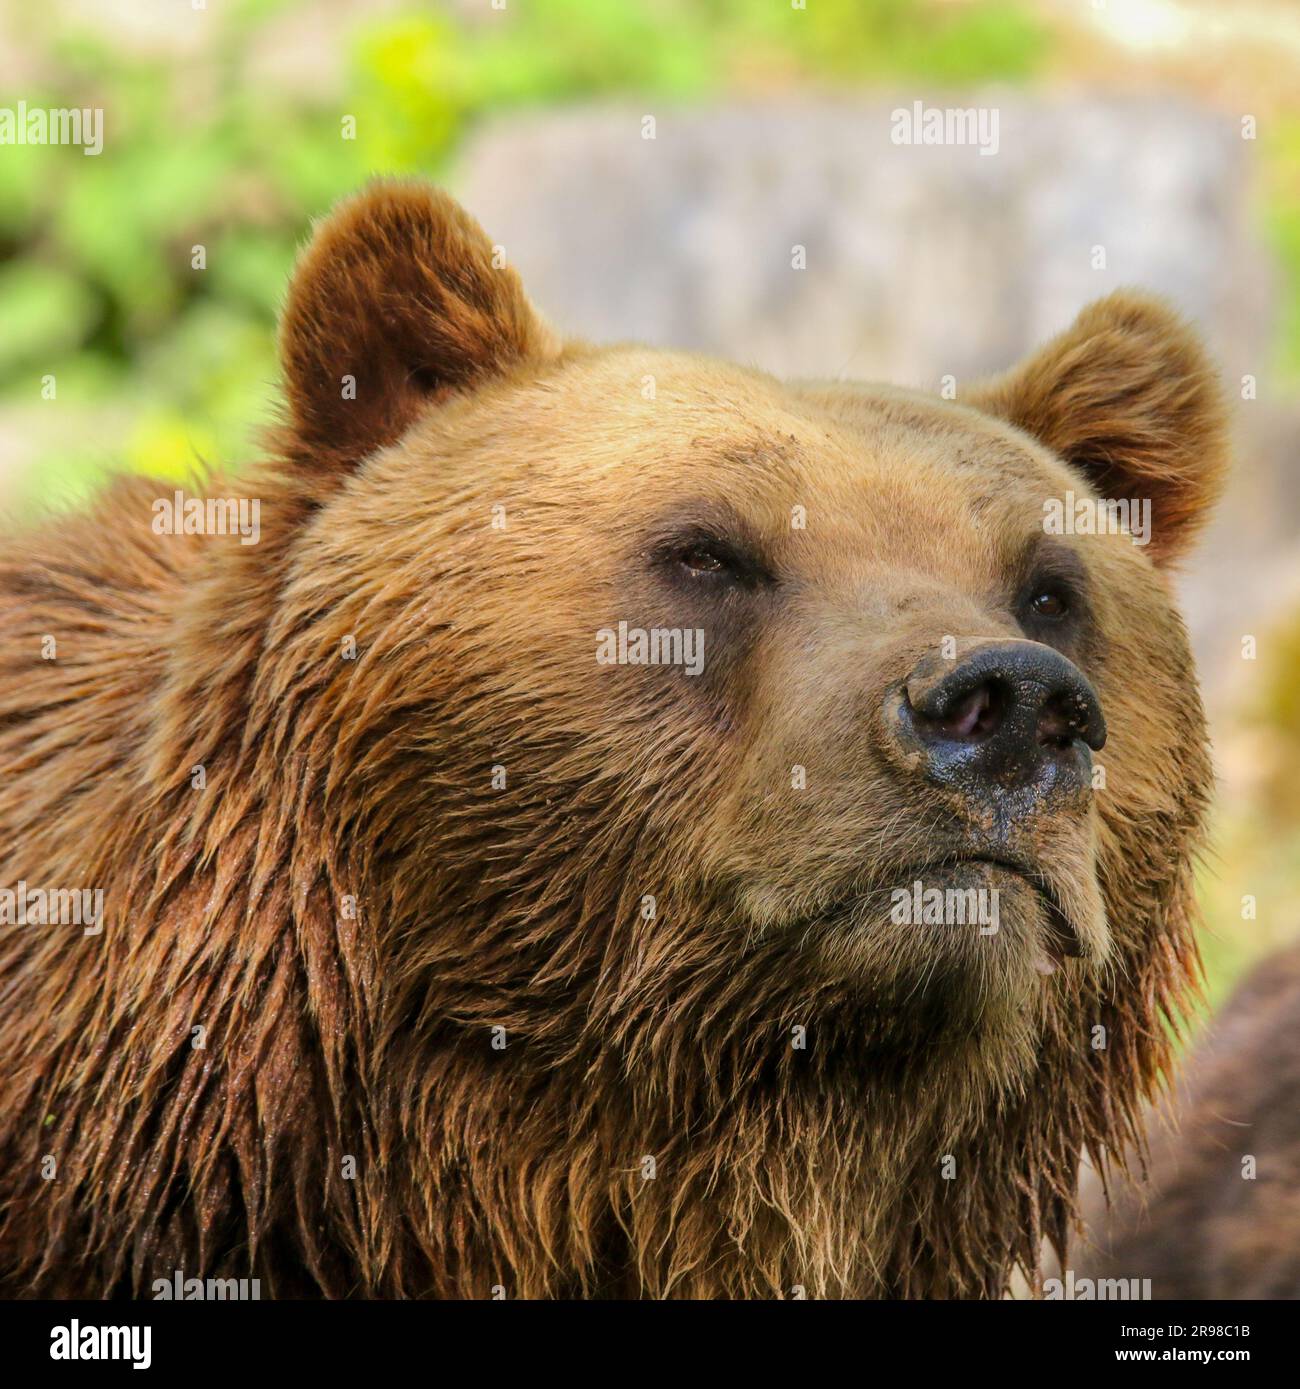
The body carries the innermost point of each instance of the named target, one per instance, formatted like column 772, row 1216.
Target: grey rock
column 922, row 260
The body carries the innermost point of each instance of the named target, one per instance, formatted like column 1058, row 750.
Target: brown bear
column 629, row 826
column 1219, row 1213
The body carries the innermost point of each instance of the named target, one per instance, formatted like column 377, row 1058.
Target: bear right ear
column 394, row 304
column 1127, row 397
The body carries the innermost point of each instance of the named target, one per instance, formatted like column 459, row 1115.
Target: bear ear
column 1128, row 397
column 395, row 303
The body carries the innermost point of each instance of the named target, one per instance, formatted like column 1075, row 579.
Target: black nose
column 1006, row 713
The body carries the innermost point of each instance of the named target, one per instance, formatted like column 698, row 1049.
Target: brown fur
column 1130, row 401
column 630, row 1035
column 1203, row 1224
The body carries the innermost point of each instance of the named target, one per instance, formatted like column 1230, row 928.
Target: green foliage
column 98, row 282
column 48, row 312
column 1256, row 841
column 1274, row 719
column 890, row 38
column 1281, row 149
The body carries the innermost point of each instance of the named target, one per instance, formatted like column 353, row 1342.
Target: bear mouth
column 1062, row 939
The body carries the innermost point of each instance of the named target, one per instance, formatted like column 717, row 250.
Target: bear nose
column 1010, row 713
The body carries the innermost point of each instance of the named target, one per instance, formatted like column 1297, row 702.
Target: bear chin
column 988, row 944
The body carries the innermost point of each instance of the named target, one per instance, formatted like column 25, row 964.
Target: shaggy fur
column 1134, row 405
column 1204, row 1224
column 725, row 1071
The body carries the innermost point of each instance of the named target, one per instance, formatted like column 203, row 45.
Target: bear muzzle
column 1006, row 729
column 1003, row 721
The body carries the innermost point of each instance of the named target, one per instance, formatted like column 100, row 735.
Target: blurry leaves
column 96, row 276
column 46, row 310
column 1281, row 150
column 934, row 41
column 250, row 269
column 413, row 92
column 1277, row 716
column 167, row 447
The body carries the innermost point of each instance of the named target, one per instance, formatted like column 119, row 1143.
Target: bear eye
column 1049, row 603
column 1051, row 600
column 706, row 557
column 699, row 557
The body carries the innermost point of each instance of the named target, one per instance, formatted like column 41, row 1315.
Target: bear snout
column 1005, row 717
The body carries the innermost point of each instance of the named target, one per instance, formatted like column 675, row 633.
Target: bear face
column 820, row 542
column 671, row 683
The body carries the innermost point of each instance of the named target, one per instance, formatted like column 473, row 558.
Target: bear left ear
column 396, row 303
column 1128, row 397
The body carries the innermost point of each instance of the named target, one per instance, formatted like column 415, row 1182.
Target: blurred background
column 1164, row 132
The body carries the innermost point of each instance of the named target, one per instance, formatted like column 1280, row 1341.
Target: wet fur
column 1197, row 1226
column 776, row 1168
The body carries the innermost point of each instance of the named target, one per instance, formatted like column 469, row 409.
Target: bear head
column 792, row 786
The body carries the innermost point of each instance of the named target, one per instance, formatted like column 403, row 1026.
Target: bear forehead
column 625, row 431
